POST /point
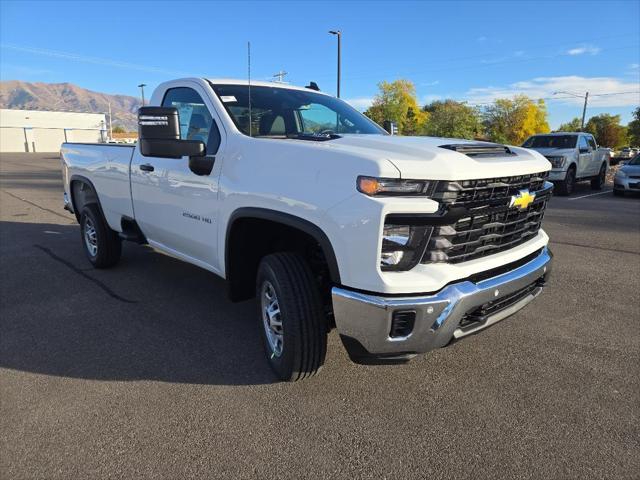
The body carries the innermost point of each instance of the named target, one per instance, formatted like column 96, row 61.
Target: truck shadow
column 151, row 317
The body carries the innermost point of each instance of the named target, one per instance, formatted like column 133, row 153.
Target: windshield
column 286, row 113
column 551, row 141
column 634, row 161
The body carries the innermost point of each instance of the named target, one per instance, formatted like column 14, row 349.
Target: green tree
column 452, row 119
column 514, row 120
column 118, row 129
column 633, row 130
column 572, row 126
column 607, row 130
column 397, row 102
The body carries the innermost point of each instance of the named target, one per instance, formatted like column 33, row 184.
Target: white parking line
column 590, row 195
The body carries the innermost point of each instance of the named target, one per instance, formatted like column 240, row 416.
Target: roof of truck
column 257, row 83
column 559, row 133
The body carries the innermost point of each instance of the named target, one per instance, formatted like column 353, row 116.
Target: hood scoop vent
column 480, row 149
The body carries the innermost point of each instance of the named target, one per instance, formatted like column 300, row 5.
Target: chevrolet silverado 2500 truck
column 574, row 157
column 400, row 243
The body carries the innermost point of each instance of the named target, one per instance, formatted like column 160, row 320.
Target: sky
column 469, row 51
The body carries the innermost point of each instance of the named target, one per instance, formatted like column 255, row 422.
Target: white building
column 41, row 131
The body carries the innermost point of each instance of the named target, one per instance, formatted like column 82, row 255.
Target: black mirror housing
column 159, row 134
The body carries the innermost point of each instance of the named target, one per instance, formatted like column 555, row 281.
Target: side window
column 592, row 142
column 582, row 143
column 196, row 122
column 317, row 118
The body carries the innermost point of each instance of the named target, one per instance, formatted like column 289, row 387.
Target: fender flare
column 89, row 183
column 291, row 221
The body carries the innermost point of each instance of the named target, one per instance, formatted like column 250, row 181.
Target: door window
column 582, row 143
column 592, row 142
column 196, row 122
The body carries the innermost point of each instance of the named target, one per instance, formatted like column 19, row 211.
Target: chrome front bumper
column 364, row 321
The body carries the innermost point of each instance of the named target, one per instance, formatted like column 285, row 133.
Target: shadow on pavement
column 151, row 317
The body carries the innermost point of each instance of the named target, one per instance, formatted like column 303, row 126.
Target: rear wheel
column 291, row 316
column 102, row 245
column 598, row 182
column 567, row 186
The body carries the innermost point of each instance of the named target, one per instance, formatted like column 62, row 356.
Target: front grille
column 483, row 220
column 480, row 315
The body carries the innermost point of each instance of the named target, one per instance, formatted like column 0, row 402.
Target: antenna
column 249, row 83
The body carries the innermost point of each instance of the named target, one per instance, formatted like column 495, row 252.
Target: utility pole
column 110, row 123
column 338, row 33
column 141, row 86
column 279, row 77
column 584, row 110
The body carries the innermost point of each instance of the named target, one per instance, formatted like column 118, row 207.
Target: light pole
column 141, row 87
column 338, row 33
column 110, row 123
column 584, row 108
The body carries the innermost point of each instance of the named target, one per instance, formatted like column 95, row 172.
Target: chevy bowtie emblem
column 522, row 200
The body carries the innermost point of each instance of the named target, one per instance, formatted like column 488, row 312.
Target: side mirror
column 584, row 150
column 159, row 134
column 390, row 127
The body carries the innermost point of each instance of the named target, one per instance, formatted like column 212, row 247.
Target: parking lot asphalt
column 147, row 370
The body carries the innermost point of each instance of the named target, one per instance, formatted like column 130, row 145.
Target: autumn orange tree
column 513, row 120
column 607, row 130
column 396, row 101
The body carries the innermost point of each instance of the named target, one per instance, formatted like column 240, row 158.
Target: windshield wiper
column 314, row 137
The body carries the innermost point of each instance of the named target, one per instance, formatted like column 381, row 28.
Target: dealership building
column 42, row 131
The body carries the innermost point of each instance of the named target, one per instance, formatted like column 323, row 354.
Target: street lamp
column 584, row 108
column 338, row 33
column 141, row 87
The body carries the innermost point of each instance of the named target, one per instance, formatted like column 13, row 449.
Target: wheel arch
column 289, row 224
column 83, row 192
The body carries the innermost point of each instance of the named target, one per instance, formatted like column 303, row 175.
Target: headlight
column 556, row 162
column 394, row 187
column 403, row 245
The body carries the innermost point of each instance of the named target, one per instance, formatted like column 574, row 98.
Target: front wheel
column 598, row 182
column 291, row 317
column 568, row 184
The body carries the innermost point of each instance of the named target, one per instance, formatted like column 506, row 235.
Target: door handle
column 147, row 167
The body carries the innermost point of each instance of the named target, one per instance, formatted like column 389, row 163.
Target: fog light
column 402, row 323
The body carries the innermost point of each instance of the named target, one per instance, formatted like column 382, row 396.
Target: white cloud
column 585, row 49
column 430, row 84
column 634, row 66
column 545, row 87
column 360, row 103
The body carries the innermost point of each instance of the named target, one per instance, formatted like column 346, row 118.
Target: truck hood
column 424, row 158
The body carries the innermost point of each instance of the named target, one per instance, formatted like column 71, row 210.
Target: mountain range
column 16, row 94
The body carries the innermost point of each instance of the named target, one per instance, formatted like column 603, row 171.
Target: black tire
column 566, row 186
column 618, row 193
column 598, row 182
column 303, row 326
column 94, row 231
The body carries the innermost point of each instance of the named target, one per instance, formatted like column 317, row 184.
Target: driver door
column 176, row 208
column 584, row 157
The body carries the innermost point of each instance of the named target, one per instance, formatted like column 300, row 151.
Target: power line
column 554, row 98
column 364, row 74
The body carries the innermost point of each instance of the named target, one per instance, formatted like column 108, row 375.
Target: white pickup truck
column 574, row 157
column 401, row 243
